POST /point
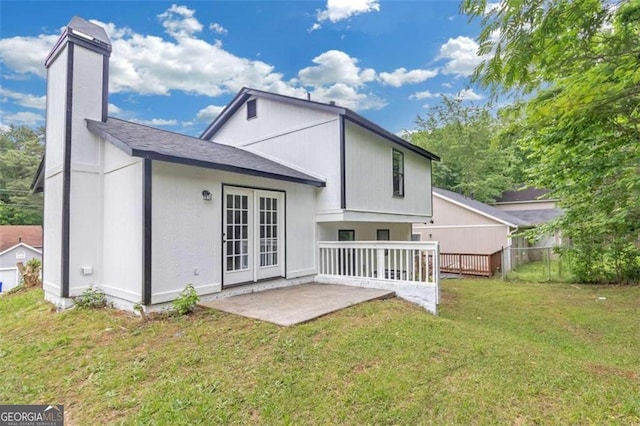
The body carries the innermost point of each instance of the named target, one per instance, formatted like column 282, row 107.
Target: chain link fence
column 534, row 264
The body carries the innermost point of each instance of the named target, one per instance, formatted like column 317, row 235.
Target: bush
column 187, row 300
column 92, row 297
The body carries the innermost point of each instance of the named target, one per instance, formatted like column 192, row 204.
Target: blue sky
column 175, row 65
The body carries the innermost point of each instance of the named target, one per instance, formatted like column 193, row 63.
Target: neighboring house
column 466, row 226
column 18, row 244
column 534, row 207
column 277, row 191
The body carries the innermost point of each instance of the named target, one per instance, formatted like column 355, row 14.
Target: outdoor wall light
column 206, row 195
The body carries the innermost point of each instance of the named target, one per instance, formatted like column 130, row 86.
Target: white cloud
column 148, row 64
column 401, row 76
column 24, row 99
column 4, row 127
column 338, row 10
column 24, row 117
column 465, row 95
column 424, row 95
column 179, row 22
column 209, row 113
column 447, row 85
column 26, row 55
column 156, row 122
column 218, row 29
column 469, row 95
column 114, row 109
column 493, row 6
column 461, row 54
column 335, row 66
column 348, row 97
column 152, row 65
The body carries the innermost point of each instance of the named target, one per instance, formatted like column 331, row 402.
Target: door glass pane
column 268, row 231
column 237, row 233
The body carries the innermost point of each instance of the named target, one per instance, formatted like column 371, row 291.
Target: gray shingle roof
column 537, row 217
column 522, row 194
column 480, row 207
column 142, row 141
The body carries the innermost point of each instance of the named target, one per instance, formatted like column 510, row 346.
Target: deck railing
column 406, row 261
column 471, row 264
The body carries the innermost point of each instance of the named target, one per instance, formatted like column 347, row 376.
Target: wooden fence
column 471, row 264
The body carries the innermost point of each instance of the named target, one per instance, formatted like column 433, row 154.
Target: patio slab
column 296, row 304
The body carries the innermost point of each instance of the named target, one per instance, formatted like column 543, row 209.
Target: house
column 472, row 234
column 534, row 207
column 18, row 244
column 277, row 191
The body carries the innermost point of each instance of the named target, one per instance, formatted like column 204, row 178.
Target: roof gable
column 26, row 246
column 246, row 93
column 11, row 235
column 138, row 140
column 479, row 207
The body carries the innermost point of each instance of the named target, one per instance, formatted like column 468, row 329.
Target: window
column 382, row 235
column 398, row 173
column 252, row 109
column 416, row 237
column 346, row 235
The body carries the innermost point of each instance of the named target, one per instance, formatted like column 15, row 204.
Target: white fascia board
column 23, row 245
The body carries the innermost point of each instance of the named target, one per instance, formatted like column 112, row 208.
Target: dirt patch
column 448, row 298
column 605, row 370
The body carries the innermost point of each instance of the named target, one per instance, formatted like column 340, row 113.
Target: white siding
column 302, row 138
column 273, row 119
column 364, row 231
column 369, row 176
column 54, row 148
column 123, row 220
column 9, row 278
column 187, row 231
column 52, row 234
column 85, row 236
column 55, row 115
column 9, row 259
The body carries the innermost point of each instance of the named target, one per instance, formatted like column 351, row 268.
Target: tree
column 471, row 162
column 579, row 63
column 20, row 152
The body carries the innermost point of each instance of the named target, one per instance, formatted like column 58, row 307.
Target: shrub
column 187, row 300
column 30, row 273
column 92, row 297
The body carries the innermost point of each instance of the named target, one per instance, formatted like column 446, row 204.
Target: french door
column 253, row 235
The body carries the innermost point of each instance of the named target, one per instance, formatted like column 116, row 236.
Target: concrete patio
column 297, row 304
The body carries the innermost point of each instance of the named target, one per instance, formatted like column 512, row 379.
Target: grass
column 556, row 270
column 499, row 353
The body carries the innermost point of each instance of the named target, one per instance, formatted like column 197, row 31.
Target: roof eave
column 37, row 185
column 153, row 155
column 372, row 127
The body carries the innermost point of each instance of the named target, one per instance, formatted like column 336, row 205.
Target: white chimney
column 77, row 89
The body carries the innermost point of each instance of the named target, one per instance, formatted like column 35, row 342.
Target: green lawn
column 556, row 270
column 499, row 353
